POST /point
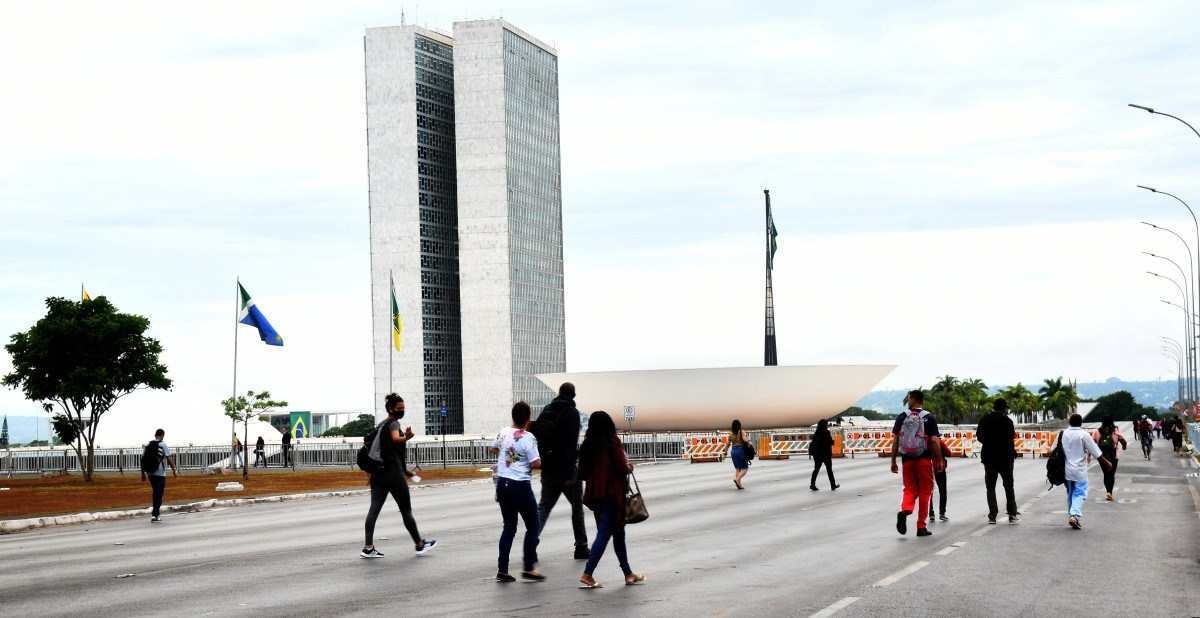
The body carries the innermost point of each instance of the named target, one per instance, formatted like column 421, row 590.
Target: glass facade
column 440, row 316
column 535, row 216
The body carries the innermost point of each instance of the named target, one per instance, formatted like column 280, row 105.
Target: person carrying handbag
column 603, row 467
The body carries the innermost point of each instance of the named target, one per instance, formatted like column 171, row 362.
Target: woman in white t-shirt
column 518, row 455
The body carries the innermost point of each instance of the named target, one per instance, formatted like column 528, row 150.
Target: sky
column 954, row 185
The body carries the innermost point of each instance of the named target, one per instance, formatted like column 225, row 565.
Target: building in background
column 510, row 218
column 466, row 217
column 414, row 236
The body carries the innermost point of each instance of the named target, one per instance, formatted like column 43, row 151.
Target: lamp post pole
column 1187, row 335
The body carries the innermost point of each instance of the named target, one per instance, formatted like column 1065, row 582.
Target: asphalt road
column 774, row 549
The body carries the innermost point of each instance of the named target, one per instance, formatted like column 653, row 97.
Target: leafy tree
column 1021, row 401
column 871, row 415
column 242, row 409
column 83, row 357
column 38, row 443
column 356, row 428
column 1058, row 398
column 1120, row 405
column 64, row 429
column 947, row 400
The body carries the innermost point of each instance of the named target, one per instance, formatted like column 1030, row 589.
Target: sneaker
column 155, row 519
column 902, row 522
column 992, row 519
column 1073, row 521
column 834, row 488
column 426, row 546
column 944, row 518
column 924, row 532
column 505, row 578
column 370, row 553
column 813, row 487
column 582, row 552
column 1013, row 519
column 533, row 576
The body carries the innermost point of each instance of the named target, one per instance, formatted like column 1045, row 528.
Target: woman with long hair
column 737, row 452
column 603, row 467
column 820, row 448
column 1107, row 437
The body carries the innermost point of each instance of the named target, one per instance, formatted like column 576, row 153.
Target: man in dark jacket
column 557, row 433
column 996, row 433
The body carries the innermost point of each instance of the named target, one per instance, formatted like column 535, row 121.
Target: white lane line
column 946, row 551
column 835, row 608
column 901, row 574
column 984, row 530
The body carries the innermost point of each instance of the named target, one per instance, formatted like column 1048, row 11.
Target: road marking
column 835, row 608
column 899, row 575
column 946, row 551
column 984, row 530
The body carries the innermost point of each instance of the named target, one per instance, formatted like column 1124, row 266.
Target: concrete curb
column 10, row 526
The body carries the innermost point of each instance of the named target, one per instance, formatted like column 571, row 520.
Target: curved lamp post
column 1187, row 335
column 1154, row 111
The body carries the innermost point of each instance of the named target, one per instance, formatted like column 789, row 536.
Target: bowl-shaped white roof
column 707, row 399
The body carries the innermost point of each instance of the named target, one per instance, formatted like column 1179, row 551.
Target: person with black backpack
column 557, row 433
column 1107, row 437
column 388, row 476
column 1075, row 445
column 155, row 458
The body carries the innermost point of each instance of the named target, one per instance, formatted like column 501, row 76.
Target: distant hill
column 1157, row 394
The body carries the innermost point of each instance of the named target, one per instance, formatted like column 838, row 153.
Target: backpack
column 151, row 457
column 749, row 451
column 1056, row 465
column 1106, row 442
column 365, row 462
column 913, row 441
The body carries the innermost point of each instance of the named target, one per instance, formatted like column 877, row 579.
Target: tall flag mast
column 771, row 358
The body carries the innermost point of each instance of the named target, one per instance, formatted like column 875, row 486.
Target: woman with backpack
column 388, row 447
column 739, row 452
column 820, row 448
column 603, row 467
column 1107, row 437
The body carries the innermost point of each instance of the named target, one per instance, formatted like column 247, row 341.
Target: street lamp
column 1191, row 347
column 1195, row 224
column 1173, row 355
column 1154, row 111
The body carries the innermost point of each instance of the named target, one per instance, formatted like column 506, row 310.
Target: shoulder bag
column 635, row 505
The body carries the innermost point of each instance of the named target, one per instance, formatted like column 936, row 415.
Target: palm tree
column 1021, row 401
column 945, row 399
column 1058, row 398
column 975, row 395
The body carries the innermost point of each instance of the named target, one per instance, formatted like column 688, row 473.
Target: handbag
column 635, row 505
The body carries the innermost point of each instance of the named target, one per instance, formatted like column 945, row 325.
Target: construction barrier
column 960, row 443
column 771, row 448
column 868, row 443
column 784, row 445
column 706, row 449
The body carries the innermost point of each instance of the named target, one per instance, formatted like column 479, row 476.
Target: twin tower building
column 465, row 206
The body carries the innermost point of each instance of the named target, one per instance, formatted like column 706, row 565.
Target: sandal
column 635, row 580
column 588, row 583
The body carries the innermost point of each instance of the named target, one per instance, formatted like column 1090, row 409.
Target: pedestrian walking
column 939, row 482
column 1146, row 436
column 820, row 448
column 998, row 437
column 260, row 449
column 1107, row 437
column 739, row 452
column 913, row 439
column 389, row 446
column 1158, row 428
column 517, row 455
column 1177, row 428
column 1077, row 445
column 236, row 460
column 286, row 447
column 155, row 459
column 603, row 466
column 557, row 433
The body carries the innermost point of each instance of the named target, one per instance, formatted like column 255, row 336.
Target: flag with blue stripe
column 250, row 315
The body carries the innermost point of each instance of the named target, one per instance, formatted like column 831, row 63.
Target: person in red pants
column 915, row 439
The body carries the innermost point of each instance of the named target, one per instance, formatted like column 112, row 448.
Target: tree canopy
column 356, row 428
column 83, row 357
column 1120, row 405
column 242, row 409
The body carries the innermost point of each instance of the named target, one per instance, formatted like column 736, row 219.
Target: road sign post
column 443, row 413
column 630, row 414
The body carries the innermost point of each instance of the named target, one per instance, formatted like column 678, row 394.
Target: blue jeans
column 608, row 526
column 1076, row 494
column 158, row 486
column 516, row 497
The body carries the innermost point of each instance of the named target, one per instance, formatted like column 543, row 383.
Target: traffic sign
column 630, row 413
column 444, row 411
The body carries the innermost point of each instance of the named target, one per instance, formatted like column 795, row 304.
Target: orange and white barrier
column 706, row 449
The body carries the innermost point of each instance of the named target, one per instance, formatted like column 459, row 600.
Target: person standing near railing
column 155, row 458
column 260, row 448
column 286, row 447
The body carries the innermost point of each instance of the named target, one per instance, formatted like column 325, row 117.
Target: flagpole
column 391, row 329
column 237, row 297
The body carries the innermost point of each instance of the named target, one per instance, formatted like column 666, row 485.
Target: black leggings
column 1110, row 475
column 379, row 494
column 940, row 479
column 817, row 463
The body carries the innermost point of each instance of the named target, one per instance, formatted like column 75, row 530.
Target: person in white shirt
column 517, row 456
column 1077, row 445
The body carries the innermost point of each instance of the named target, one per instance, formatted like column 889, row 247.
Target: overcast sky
column 953, row 186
